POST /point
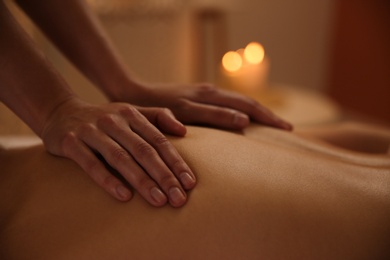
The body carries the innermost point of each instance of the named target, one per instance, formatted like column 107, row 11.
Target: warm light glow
column 254, row 53
column 232, row 61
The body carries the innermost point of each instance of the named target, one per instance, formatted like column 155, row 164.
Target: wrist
column 127, row 89
column 62, row 109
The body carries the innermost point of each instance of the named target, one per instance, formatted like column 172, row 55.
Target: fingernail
column 240, row 120
column 280, row 122
column 177, row 196
column 283, row 124
column 181, row 129
column 187, row 180
column 158, row 195
column 123, row 192
column 286, row 126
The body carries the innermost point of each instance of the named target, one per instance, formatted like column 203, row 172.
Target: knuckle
column 108, row 181
column 119, row 154
column 223, row 116
column 167, row 180
column 224, row 113
column 128, row 111
column 144, row 148
column 91, row 166
column 86, row 129
column 143, row 182
column 184, row 106
column 206, row 87
column 160, row 139
column 106, row 120
column 251, row 101
column 68, row 141
column 164, row 110
column 178, row 165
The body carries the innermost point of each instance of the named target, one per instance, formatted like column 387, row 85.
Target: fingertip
column 177, row 197
column 288, row 126
column 275, row 121
column 283, row 124
column 169, row 124
column 159, row 198
column 175, row 128
column 240, row 120
column 187, row 180
column 123, row 193
column 179, row 129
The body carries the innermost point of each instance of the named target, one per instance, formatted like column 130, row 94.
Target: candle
column 245, row 70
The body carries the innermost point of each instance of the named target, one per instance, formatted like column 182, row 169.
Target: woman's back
column 268, row 194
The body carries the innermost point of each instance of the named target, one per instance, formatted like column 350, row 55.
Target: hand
column 125, row 136
column 203, row 104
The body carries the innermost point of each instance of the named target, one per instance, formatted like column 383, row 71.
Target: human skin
column 126, row 135
column 266, row 194
column 83, row 41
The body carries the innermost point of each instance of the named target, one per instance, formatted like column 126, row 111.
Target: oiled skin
column 267, row 194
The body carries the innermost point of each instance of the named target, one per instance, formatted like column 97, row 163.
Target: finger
column 119, row 159
column 83, row 156
column 244, row 104
column 167, row 152
column 160, row 116
column 164, row 120
column 227, row 118
column 147, row 157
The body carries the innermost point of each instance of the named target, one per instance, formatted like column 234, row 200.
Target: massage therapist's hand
column 202, row 104
column 126, row 137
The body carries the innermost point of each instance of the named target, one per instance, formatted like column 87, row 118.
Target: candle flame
column 232, row 61
column 254, row 53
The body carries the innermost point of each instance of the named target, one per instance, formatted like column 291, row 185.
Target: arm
column 75, row 30
column 122, row 134
column 85, row 43
column 33, row 105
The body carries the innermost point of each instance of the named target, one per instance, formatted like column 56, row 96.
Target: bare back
column 268, row 194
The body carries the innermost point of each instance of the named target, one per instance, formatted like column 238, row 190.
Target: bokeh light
column 232, row 61
column 254, row 53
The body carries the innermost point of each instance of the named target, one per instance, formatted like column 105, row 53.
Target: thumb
column 164, row 120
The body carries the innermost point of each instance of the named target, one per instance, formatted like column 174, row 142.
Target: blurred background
column 326, row 60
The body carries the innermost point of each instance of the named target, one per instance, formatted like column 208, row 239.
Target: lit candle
column 245, row 70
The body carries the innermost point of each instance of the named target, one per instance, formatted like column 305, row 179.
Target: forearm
column 28, row 83
column 77, row 32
